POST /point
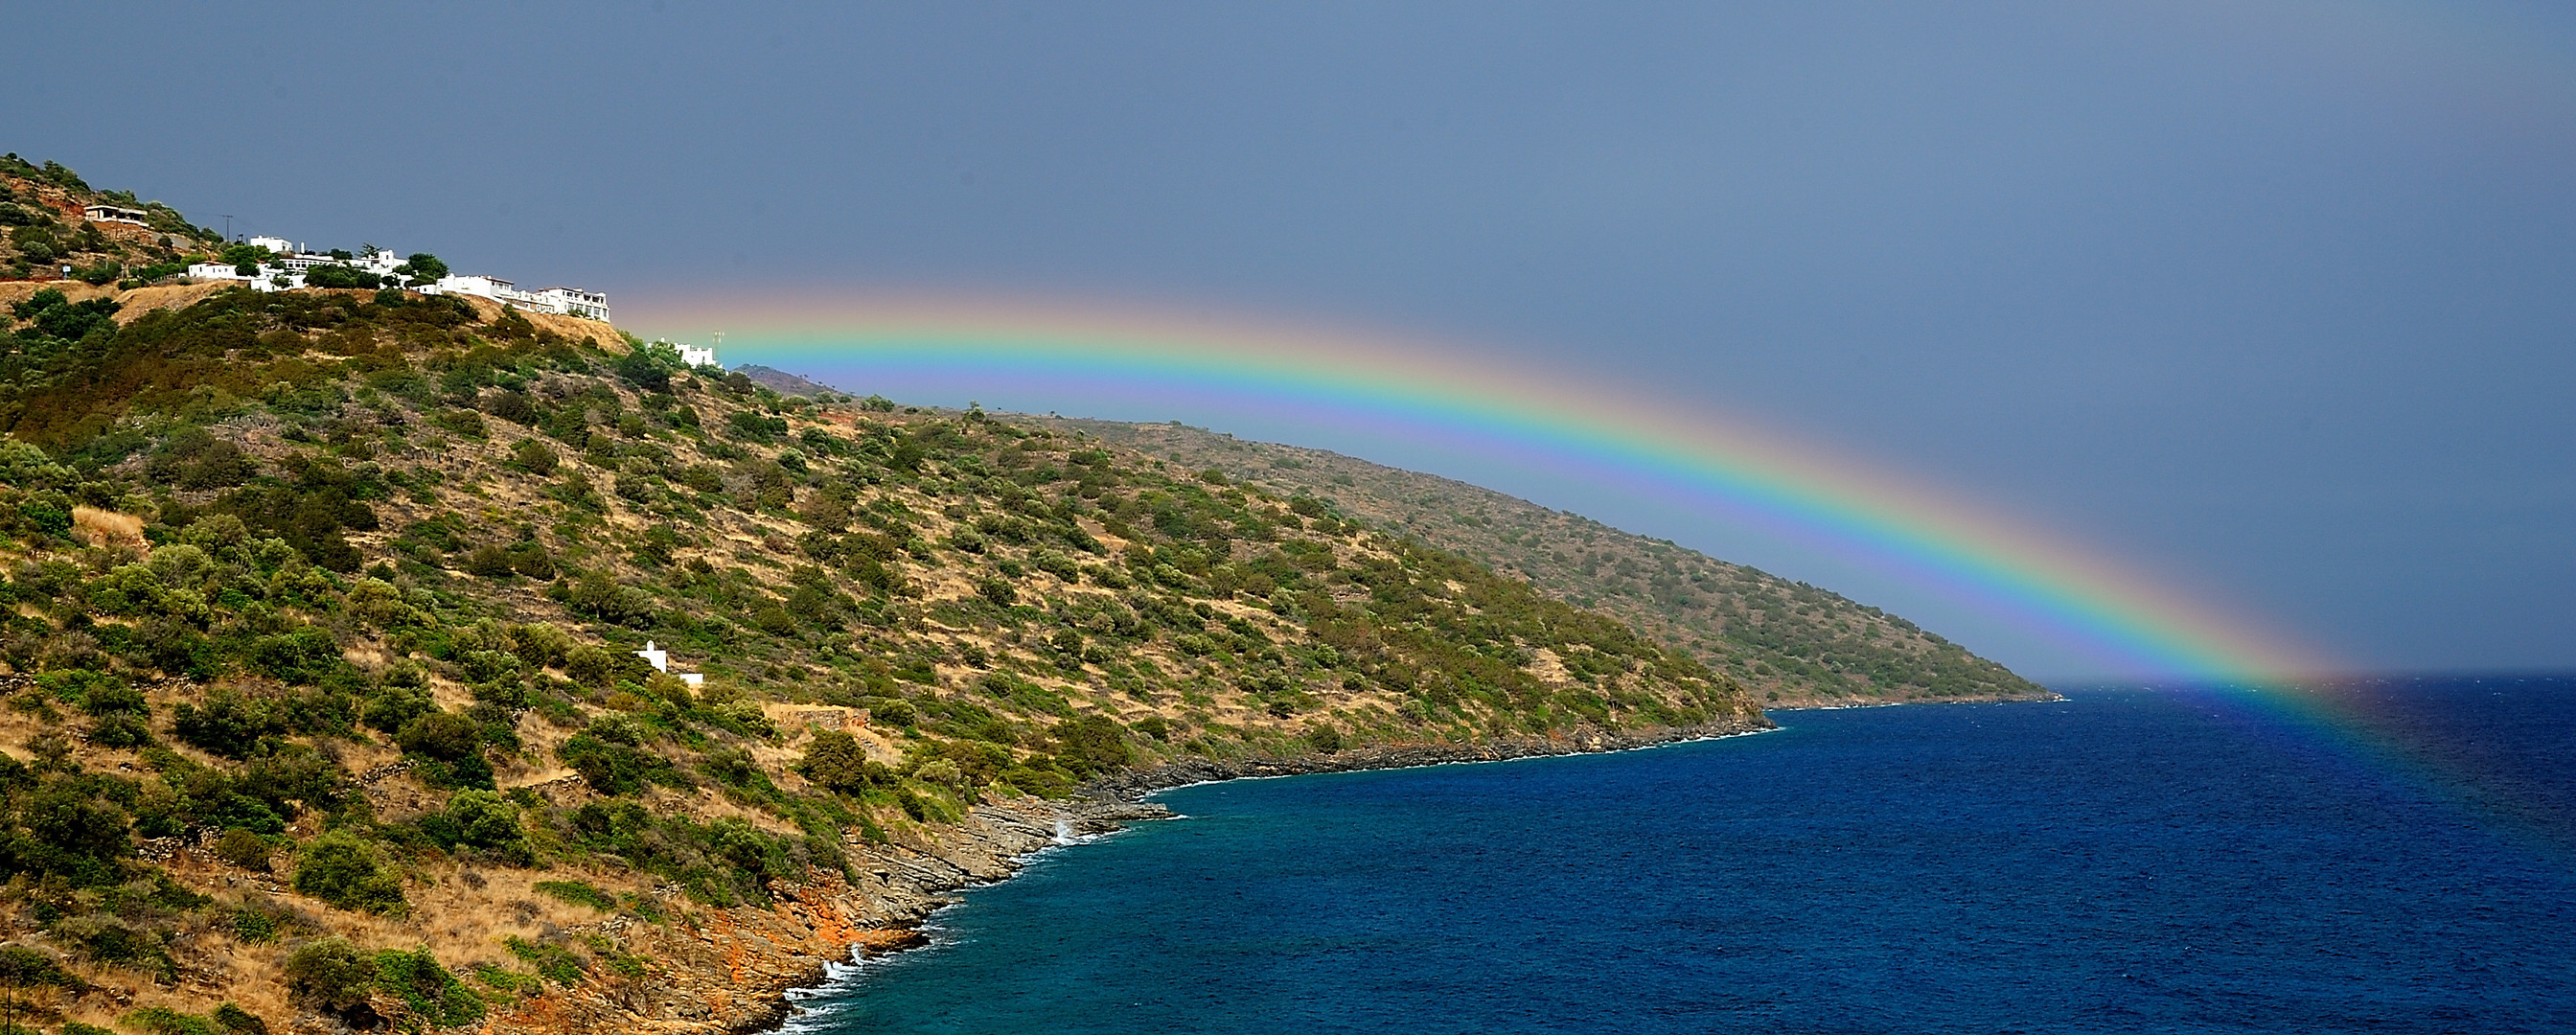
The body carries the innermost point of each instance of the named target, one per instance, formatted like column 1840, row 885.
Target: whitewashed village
column 277, row 264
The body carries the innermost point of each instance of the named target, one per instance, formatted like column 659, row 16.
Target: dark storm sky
column 2273, row 300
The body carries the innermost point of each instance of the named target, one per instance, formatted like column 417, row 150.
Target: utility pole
column 228, row 226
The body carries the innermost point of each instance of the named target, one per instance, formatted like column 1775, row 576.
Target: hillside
column 1794, row 644
column 324, row 706
column 43, row 228
column 782, row 382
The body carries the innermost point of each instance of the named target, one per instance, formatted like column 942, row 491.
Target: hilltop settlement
column 388, row 649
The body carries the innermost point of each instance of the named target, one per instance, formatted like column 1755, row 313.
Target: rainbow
column 1521, row 414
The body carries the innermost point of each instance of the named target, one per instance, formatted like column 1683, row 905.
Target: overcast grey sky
column 2273, row 299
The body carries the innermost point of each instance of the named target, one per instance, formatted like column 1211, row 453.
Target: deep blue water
column 2171, row 861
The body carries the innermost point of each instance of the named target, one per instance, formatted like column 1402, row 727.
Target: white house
column 288, row 263
column 560, row 300
column 268, row 277
column 113, row 214
column 661, row 661
column 695, row 356
column 286, row 266
column 576, row 302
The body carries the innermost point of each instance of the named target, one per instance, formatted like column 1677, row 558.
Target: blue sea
column 2166, row 860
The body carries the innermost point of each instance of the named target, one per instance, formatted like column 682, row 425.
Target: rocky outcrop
column 728, row 970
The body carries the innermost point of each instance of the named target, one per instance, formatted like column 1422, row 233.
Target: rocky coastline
column 1134, row 785
column 730, row 970
column 998, row 838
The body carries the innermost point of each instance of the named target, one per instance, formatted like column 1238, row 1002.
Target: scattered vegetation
column 1791, row 642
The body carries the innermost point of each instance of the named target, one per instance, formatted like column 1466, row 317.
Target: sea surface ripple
column 2128, row 860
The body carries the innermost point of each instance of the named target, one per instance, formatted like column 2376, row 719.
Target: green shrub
column 533, row 560
column 330, row 975
column 501, row 980
column 336, row 275
column 254, row 927
column 552, row 962
column 162, row 1020
column 396, row 705
column 305, row 655
column 105, row 939
column 610, row 757
column 515, row 407
column 752, row 426
column 244, row 849
column 233, row 1020
column 598, row 594
column 481, row 820
column 23, row 967
column 342, row 870
column 604, row 667
column 836, row 762
column 534, row 457
column 541, row 646
column 579, row 893
column 228, row 724
column 68, row 833
column 1091, row 745
column 427, row 989
column 490, row 561
column 444, row 736
column 121, row 730
column 466, row 423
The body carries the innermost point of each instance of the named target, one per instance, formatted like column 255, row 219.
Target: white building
column 560, row 300
column 264, row 277
column 288, row 263
column 113, row 214
column 661, row 661
column 696, row 356
column 576, row 302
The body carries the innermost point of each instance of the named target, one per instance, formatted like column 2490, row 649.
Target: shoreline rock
column 1134, row 786
column 729, row 970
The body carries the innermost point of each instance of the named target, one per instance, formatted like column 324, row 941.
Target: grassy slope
column 1793, row 643
column 323, row 604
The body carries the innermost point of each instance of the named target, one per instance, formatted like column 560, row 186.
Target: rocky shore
column 1133, row 786
column 729, row 971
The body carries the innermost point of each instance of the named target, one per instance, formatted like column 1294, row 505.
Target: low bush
column 330, row 975
column 244, row 849
column 836, row 762
column 342, row 870
column 426, row 988
column 579, row 893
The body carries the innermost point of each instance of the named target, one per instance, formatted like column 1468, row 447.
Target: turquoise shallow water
column 2173, row 860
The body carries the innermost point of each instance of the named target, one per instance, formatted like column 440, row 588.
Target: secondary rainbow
column 1523, row 413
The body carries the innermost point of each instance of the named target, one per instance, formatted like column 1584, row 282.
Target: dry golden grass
column 601, row 334
column 144, row 300
column 107, row 528
column 16, row 291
